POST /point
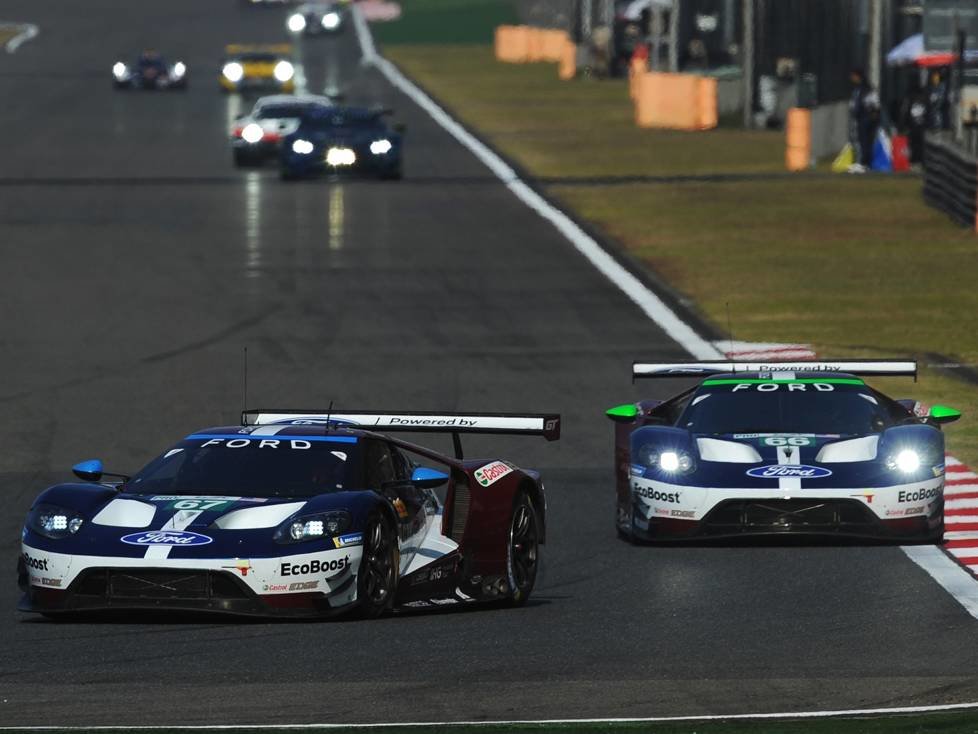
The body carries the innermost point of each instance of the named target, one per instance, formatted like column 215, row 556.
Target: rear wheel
column 377, row 577
column 523, row 551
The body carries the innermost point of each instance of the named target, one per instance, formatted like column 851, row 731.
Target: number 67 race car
column 293, row 513
column 762, row 449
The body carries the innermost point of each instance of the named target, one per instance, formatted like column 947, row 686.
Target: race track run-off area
column 961, row 514
column 139, row 264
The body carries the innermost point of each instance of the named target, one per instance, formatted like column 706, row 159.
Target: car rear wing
column 514, row 424
column 889, row 367
column 269, row 48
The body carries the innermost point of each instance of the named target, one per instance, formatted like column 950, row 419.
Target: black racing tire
column 522, row 550
column 245, row 160
column 379, row 568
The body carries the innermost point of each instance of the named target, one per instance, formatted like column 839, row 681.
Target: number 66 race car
column 293, row 513
column 773, row 448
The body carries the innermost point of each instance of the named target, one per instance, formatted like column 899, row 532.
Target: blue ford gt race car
column 343, row 141
column 762, row 449
column 293, row 513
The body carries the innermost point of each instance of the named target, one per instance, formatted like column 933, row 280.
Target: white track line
column 788, row 715
column 957, row 582
column 27, row 32
column 653, row 306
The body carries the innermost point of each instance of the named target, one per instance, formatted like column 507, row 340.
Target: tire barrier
column 951, row 180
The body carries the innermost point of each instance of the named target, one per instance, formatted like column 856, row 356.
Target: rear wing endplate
column 892, row 367
column 514, row 424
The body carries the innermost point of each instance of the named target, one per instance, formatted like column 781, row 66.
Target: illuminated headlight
column 380, row 147
column 302, row 147
column 252, row 133
column 233, row 72
column 331, row 21
column 668, row 461
column 179, row 69
column 340, row 157
column 54, row 522
column 119, row 70
column 906, row 461
column 297, row 23
column 324, row 525
column 283, row 71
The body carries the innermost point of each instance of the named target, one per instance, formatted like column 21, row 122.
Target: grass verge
column 855, row 266
column 446, row 21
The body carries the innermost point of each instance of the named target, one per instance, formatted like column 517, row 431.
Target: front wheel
column 523, row 550
column 377, row 577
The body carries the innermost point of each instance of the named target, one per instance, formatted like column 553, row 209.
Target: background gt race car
column 258, row 68
column 760, row 449
column 316, row 18
column 149, row 71
column 343, row 140
column 293, row 513
column 256, row 137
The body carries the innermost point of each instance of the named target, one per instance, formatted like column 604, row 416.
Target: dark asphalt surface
column 136, row 266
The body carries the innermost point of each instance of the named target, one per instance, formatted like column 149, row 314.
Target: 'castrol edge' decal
column 492, row 473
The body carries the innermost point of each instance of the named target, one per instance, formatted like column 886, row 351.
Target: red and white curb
column 763, row 351
column 961, row 514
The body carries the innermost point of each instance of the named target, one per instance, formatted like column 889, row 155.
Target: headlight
column 668, row 461
column 302, row 147
column 54, row 522
column 310, row 527
column 297, row 23
column 252, row 133
column 380, row 147
column 119, row 70
column 907, row 461
column 233, row 71
column 331, row 21
column 340, row 157
column 283, row 71
column 179, row 69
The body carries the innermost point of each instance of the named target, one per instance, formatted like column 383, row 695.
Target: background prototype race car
column 316, row 18
column 801, row 448
column 149, row 71
column 343, row 140
column 256, row 137
column 266, row 67
column 294, row 513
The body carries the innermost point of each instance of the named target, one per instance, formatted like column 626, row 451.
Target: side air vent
column 460, row 511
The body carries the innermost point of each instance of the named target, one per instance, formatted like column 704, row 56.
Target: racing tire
column 379, row 568
column 522, row 550
column 244, row 160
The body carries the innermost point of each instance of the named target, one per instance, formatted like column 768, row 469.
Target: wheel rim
column 378, row 565
column 523, row 546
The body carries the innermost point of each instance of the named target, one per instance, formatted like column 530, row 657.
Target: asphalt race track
column 138, row 264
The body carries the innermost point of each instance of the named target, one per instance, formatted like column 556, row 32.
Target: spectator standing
column 938, row 106
column 864, row 115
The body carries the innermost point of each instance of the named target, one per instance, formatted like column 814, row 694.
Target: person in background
column 938, row 105
column 913, row 121
column 864, row 116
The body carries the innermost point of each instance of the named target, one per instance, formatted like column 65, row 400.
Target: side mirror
column 428, row 478
column 941, row 414
column 623, row 413
column 89, row 471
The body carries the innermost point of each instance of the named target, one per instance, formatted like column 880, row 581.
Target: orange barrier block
column 534, row 49
column 567, row 69
column 707, row 117
column 636, row 68
column 798, row 138
column 675, row 101
column 512, row 44
column 553, row 45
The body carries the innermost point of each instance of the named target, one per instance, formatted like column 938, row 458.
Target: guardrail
column 951, row 180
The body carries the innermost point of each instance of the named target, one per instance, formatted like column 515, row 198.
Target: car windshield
column 342, row 120
column 831, row 406
column 257, row 58
column 282, row 111
column 242, row 465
